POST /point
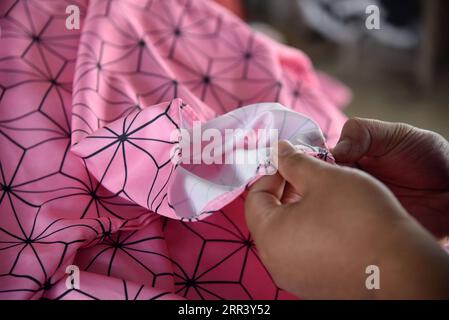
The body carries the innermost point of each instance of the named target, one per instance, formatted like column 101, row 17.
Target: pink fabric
column 195, row 190
column 76, row 190
column 335, row 92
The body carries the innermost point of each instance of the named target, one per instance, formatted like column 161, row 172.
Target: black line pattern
column 94, row 89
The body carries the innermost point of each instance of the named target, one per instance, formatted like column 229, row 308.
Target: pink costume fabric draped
column 85, row 118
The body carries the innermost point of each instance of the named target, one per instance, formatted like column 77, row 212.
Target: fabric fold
column 239, row 146
column 157, row 157
column 85, row 147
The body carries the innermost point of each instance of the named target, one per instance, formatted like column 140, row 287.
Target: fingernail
column 342, row 148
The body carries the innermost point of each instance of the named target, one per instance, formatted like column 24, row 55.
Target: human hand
column 413, row 163
column 319, row 246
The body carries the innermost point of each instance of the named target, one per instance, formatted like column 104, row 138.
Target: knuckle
column 355, row 124
column 435, row 138
column 354, row 121
column 402, row 131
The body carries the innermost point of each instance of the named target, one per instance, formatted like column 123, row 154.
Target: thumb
column 368, row 137
column 262, row 201
column 299, row 169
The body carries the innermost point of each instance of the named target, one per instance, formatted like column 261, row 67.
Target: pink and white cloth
column 86, row 176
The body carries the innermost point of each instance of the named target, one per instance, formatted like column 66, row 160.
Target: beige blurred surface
column 385, row 82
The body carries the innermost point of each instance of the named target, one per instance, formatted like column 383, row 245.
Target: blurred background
column 399, row 72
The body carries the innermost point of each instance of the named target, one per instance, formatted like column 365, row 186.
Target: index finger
column 263, row 198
